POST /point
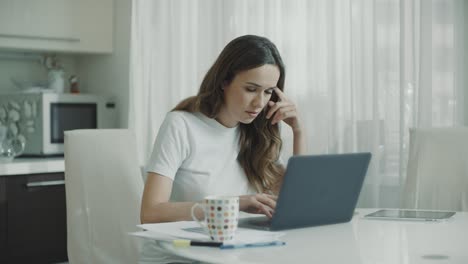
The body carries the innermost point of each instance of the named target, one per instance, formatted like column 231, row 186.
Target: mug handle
column 194, row 217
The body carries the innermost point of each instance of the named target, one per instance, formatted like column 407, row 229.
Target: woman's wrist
column 297, row 131
column 297, row 127
column 241, row 203
column 299, row 145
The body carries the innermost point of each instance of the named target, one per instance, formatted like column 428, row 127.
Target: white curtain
column 360, row 71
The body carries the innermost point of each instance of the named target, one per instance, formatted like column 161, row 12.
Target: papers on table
column 192, row 231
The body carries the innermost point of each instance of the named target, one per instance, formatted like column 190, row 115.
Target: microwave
column 40, row 119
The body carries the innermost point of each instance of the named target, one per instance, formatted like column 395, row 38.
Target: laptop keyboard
column 260, row 221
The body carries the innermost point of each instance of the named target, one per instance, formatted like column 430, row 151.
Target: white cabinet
column 57, row 25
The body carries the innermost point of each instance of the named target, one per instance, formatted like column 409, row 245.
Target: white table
column 360, row 241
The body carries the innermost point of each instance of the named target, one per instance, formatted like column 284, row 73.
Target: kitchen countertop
column 32, row 166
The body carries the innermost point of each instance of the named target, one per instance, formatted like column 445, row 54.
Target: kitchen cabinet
column 35, row 218
column 3, row 219
column 83, row 26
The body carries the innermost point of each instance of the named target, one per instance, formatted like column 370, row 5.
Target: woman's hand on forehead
column 283, row 110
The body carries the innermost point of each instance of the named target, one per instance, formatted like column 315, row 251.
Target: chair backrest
column 437, row 172
column 103, row 186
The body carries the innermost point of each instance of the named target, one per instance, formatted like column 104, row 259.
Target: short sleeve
column 171, row 146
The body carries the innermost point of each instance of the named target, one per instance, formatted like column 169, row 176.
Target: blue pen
column 251, row 245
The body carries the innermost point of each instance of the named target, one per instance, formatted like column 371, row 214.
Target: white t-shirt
column 200, row 156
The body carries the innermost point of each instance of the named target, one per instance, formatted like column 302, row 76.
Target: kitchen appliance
column 40, row 119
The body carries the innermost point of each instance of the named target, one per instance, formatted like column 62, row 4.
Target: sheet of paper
column 192, row 231
column 175, row 230
column 152, row 235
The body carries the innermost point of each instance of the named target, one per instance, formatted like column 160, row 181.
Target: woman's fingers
column 271, row 196
column 284, row 110
column 267, row 200
column 280, row 94
column 259, row 204
column 284, row 106
column 263, row 209
column 284, row 113
column 275, row 106
column 266, row 204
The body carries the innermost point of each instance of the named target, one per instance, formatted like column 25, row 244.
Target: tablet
column 417, row 215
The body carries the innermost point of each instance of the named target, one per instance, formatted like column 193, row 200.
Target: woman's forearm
column 299, row 143
column 170, row 212
column 156, row 206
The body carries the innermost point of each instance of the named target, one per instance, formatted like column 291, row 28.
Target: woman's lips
column 252, row 114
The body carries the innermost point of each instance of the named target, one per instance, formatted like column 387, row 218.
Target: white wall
column 109, row 74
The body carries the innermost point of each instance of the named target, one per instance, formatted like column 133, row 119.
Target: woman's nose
column 259, row 101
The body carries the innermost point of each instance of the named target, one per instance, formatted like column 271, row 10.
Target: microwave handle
column 45, row 183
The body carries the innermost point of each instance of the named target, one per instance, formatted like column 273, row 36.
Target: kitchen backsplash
column 26, row 67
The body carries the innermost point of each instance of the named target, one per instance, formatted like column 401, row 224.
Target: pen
column 251, row 245
column 188, row 243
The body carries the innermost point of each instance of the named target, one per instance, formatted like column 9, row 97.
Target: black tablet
column 405, row 214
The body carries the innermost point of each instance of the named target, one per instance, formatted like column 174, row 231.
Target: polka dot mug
column 221, row 216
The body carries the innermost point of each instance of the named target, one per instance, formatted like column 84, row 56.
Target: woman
column 225, row 140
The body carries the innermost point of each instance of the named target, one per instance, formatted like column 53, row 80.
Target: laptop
column 316, row 190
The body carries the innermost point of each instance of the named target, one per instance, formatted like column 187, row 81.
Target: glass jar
column 57, row 80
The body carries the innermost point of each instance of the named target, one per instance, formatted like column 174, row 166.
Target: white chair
column 437, row 173
column 103, row 186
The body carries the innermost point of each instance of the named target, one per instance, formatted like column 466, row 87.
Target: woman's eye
column 251, row 89
column 269, row 91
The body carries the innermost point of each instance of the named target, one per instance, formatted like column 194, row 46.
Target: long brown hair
column 260, row 142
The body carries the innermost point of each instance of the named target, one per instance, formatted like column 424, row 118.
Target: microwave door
column 66, row 116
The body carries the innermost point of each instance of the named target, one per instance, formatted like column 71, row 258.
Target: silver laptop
column 316, row 190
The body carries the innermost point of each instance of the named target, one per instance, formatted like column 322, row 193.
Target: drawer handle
column 45, row 183
column 40, row 37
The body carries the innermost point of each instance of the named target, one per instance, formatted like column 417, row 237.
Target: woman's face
column 248, row 94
